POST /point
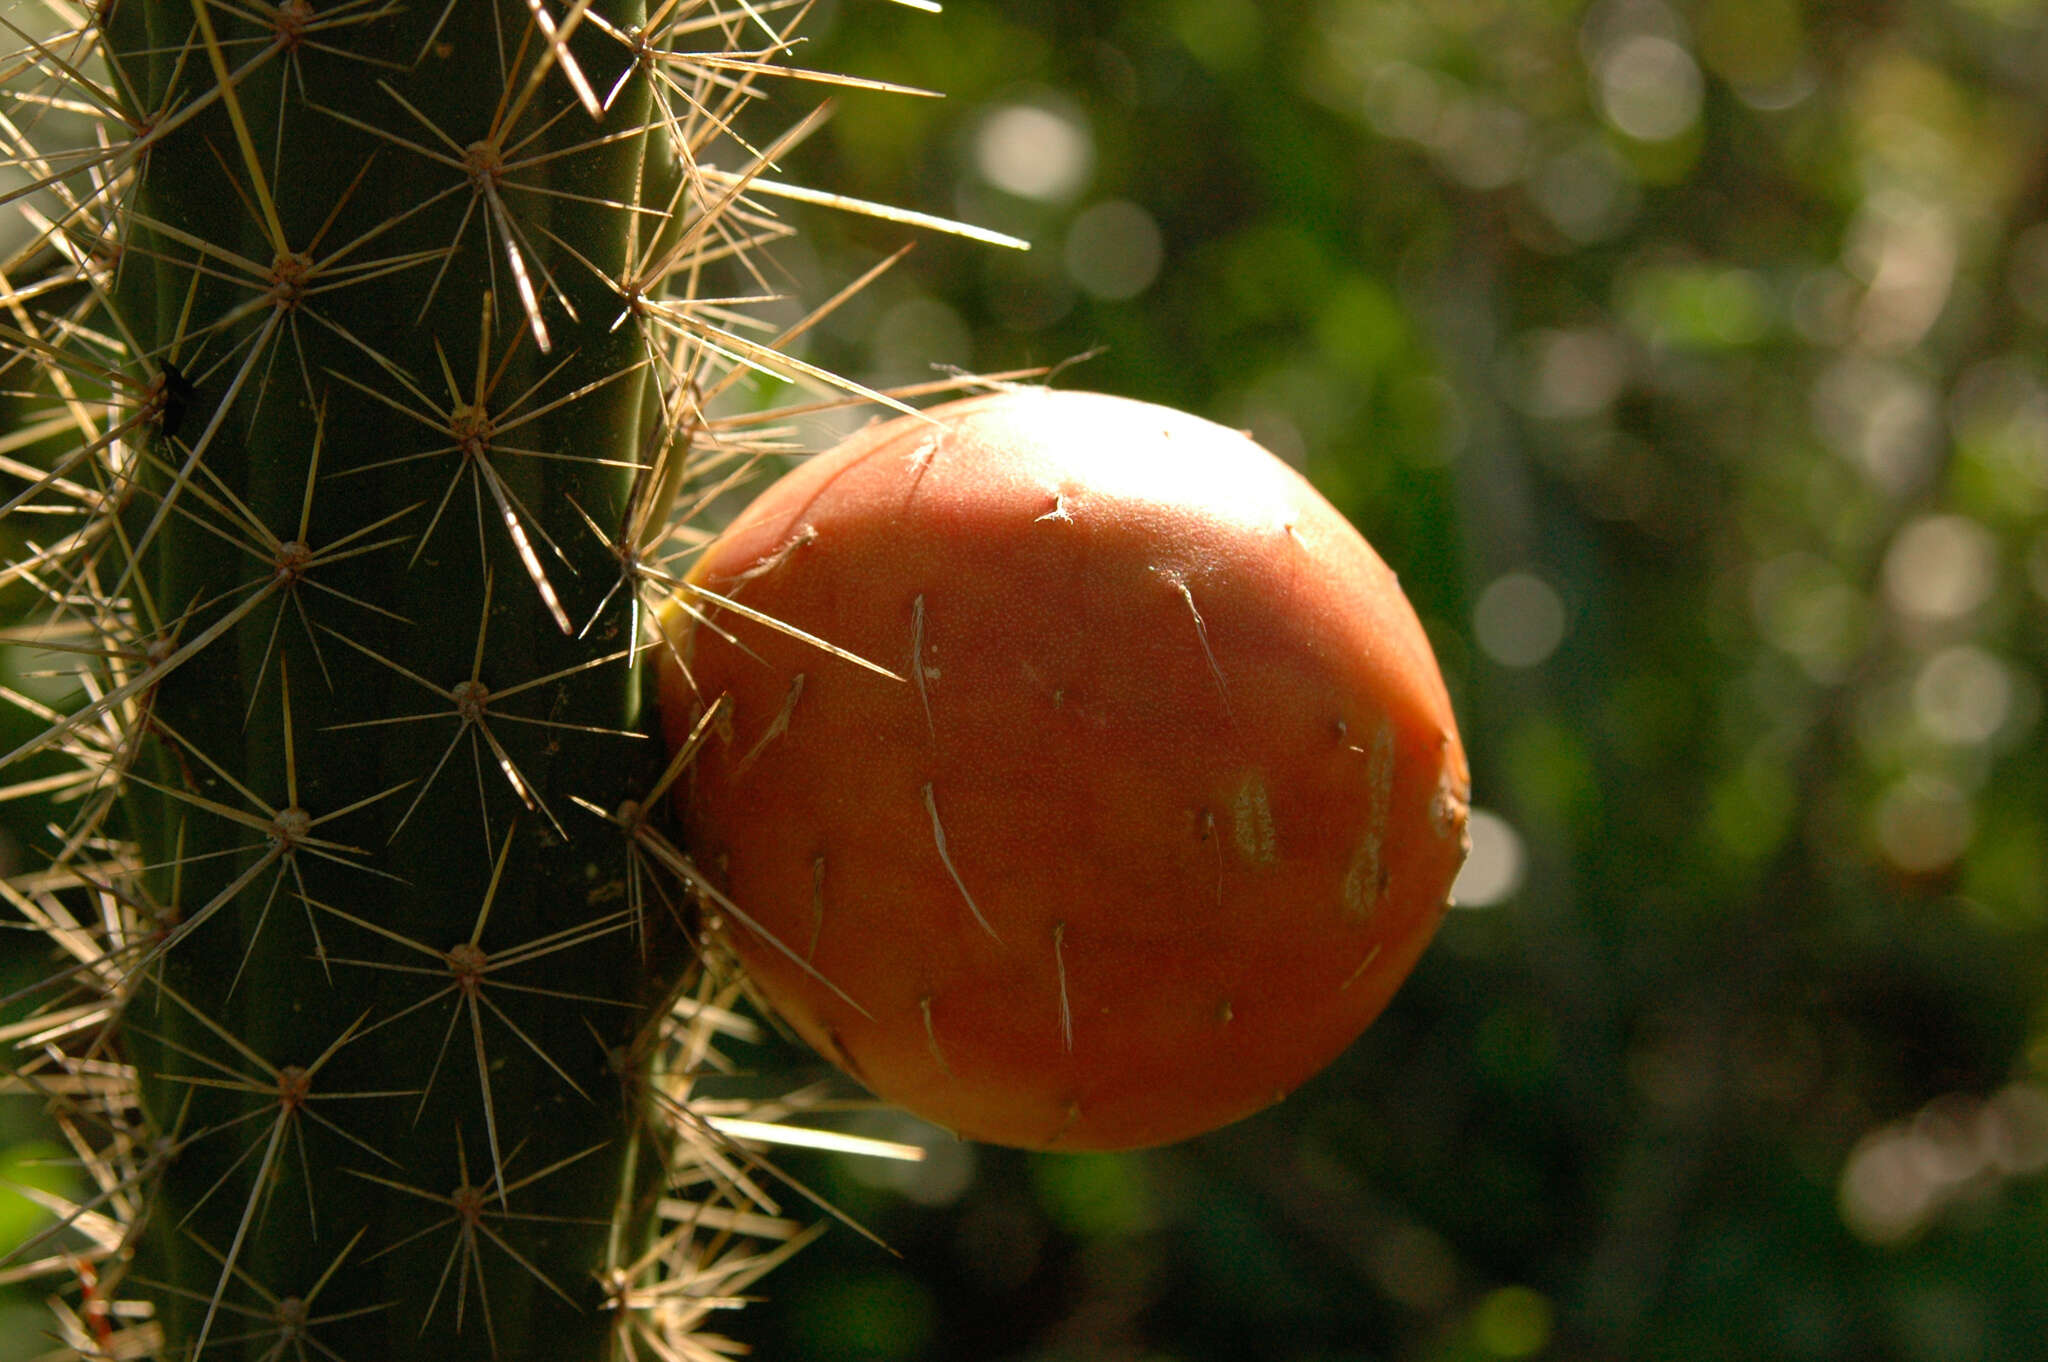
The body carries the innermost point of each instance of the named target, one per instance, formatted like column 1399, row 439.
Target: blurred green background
column 1689, row 361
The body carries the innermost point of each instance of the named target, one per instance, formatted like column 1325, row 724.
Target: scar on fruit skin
column 842, row 1055
column 777, row 726
column 1059, row 509
column 817, row 905
column 1208, row 834
column 918, row 671
column 1450, row 809
column 1251, row 821
column 721, row 726
column 921, row 463
column 1363, row 966
column 1072, row 1119
column 931, row 805
column 1059, row 963
column 806, row 533
column 931, row 1036
column 1365, row 880
column 1180, row 584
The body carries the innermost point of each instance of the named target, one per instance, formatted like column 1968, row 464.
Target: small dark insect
column 173, row 398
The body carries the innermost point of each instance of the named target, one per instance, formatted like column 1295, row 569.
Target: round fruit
column 1163, row 801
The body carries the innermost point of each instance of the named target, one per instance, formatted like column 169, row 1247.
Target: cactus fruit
column 1127, row 795
column 354, row 360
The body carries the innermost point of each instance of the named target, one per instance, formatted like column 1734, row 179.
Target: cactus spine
column 357, row 363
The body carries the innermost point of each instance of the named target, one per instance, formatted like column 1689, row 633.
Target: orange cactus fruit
column 1151, row 796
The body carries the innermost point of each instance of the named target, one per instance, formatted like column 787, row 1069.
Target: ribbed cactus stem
column 359, row 375
column 372, row 251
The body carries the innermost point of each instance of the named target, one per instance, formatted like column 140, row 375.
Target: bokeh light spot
column 1750, row 810
column 1482, row 143
column 1513, row 1321
column 1700, row 307
column 1650, row 87
column 1573, row 374
column 1404, row 101
column 1940, row 567
column 1901, row 1175
column 1963, row 695
column 1805, row 608
column 912, row 336
column 1519, row 620
column 1098, row 1196
column 940, row 1178
column 1114, row 250
column 1922, row 823
column 50, row 677
column 1494, row 869
column 1035, row 152
column 1586, row 191
column 1906, row 251
column 1414, row 1266
column 1882, row 1195
column 1879, row 416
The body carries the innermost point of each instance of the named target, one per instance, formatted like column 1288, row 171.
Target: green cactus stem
column 361, row 368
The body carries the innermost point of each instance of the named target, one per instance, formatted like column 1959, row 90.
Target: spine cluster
column 360, row 360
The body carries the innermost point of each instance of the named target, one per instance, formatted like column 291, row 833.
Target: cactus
column 354, row 369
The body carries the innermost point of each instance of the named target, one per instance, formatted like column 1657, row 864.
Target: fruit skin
column 1167, row 807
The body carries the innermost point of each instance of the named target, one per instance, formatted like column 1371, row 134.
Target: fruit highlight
column 1121, row 795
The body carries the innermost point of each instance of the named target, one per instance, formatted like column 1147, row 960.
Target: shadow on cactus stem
column 365, row 369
